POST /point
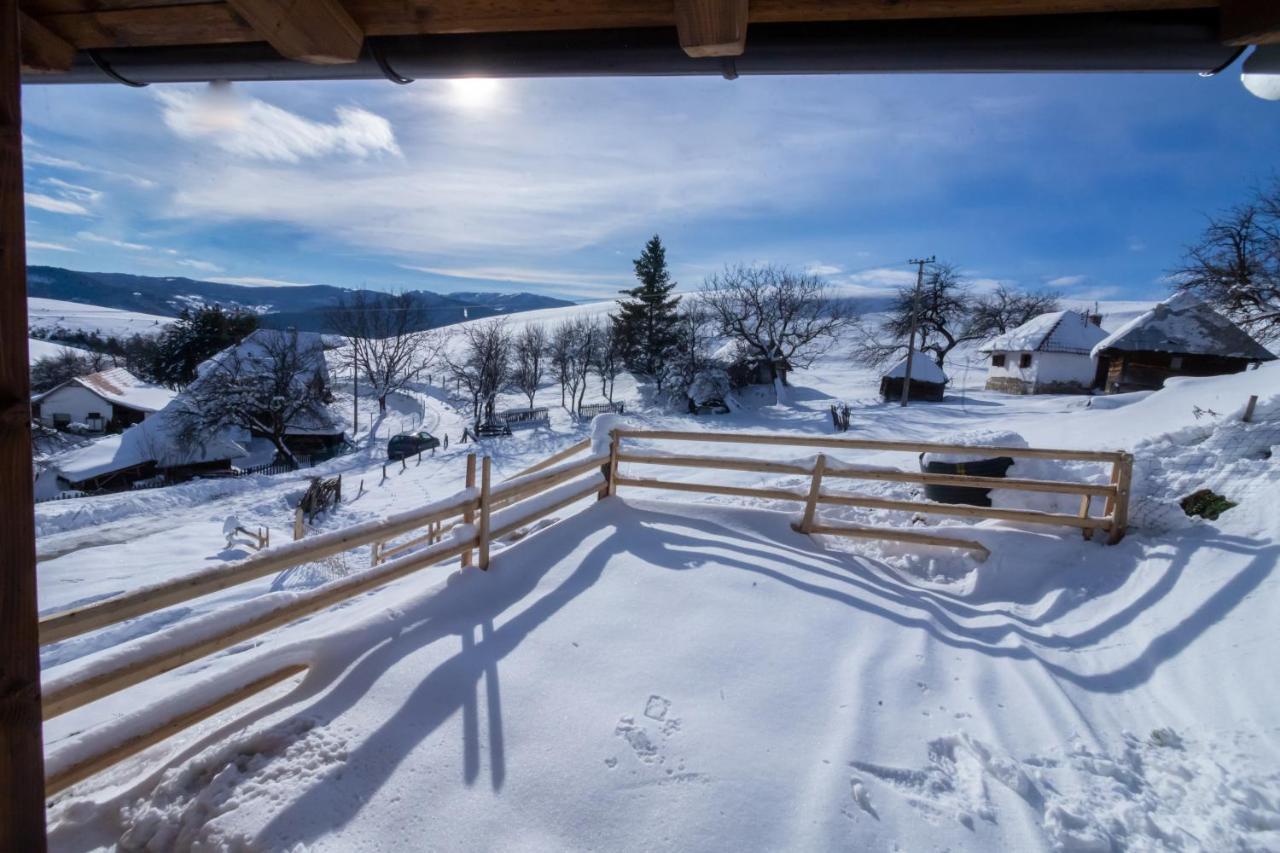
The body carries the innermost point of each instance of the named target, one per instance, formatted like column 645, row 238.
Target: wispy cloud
column 255, row 281
column 119, row 244
column 38, row 158
column 819, row 268
column 203, row 266
column 51, row 247
column 562, row 281
column 40, row 201
column 255, row 130
column 1066, row 281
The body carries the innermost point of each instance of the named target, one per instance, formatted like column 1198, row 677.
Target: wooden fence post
column 21, row 743
column 468, row 517
column 484, row 514
column 1120, row 517
column 611, row 475
column 297, row 523
column 815, row 491
column 1249, row 407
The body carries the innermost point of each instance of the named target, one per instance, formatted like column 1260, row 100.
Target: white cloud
column 1136, row 245
column 203, row 266
column 1066, row 281
column 255, row 281
column 52, row 247
column 119, row 244
column 255, row 130
column 878, row 281
column 56, row 205
column 36, row 158
column 819, row 268
column 576, row 283
column 75, row 191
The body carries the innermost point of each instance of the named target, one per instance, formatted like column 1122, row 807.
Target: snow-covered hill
column 46, row 316
column 692, row 674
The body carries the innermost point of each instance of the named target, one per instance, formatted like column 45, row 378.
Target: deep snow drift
column 662, row 673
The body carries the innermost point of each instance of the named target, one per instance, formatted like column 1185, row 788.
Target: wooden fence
column 484, row 511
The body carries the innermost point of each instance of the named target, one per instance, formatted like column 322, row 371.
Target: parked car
column 410, row 443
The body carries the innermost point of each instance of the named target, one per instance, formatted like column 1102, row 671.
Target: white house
column 1049, row 354
column 106, row 401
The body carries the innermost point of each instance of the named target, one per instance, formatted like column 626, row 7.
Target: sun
column 474, row 93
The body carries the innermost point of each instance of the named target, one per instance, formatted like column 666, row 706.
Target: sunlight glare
column 474, row 93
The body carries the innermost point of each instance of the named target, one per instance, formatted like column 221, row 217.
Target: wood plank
column 317, row 31
column 979, row 551
column 1249, row 22
column 43, row 50
column 1027, row 516
column 815, row 491
column 21, row 742
column 75, row 621
column 554, row 458
column 590, row 487
column 202, row 23
column 831, row 442
column 483, row 534
column 1120, row 518
column 711, row 27
column 468, row 517
column 711, row 489
column 97, row 763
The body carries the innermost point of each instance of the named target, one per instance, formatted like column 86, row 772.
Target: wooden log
column 520, row 488
column 468, row 517
column 317, row 31
column 560, row 456
column 815, row 491
column 1027, row 516
column 76, row 621
column 21, row 741
column 873, row 474
column 508, row 525
column 483, row 535
column 299, row 528
column 711, row 489
column 1120, row 519
column 101, row 682
column 840, row 443
column 614, row 444
column 97, row 763
column 43, row 51
column 978, row 550
column 1084, row 513
column 711, row 27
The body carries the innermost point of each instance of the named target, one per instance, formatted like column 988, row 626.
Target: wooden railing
column 1115, row 493
column 463, row 526
column 557, row 484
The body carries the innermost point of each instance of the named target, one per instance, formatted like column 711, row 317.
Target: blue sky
column 1089, row 184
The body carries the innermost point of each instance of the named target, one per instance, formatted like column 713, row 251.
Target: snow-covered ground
column 38, row 349
column 50, row 314
column 663, row 672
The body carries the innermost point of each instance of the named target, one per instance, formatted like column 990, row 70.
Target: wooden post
column 21, row 740
column 375, row 553
column 468, row 517
column 611, row 475
column 815, row 491
column 298, row 528
column 484, row 514
column 1087, row 532
column 1249, row 407
column 1120, row 516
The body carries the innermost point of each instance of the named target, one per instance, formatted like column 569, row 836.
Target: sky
column 1090, row 185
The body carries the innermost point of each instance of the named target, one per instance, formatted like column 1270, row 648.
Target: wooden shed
column 1181, row 336
column 928, row 382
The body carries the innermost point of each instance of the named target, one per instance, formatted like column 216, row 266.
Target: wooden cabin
column 1181, row 336
column 928, row 382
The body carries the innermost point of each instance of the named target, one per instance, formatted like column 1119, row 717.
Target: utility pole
column 915, row 322
column 355, row 394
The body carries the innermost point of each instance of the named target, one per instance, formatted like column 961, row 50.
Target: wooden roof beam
column 712, row 27
column 1250, row 22
column 317, row 31
column 43, row 50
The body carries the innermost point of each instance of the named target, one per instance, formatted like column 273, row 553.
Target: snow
column 52, row 314
column 38, row 349
column 1185, row 325
column 670, row 671
column 120, row 387
column 923, row 369
column 1058, row 331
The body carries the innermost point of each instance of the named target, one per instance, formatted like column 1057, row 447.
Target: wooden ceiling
column 326, row 32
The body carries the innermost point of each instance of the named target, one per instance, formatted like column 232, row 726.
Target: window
column 1024, row 360
column 997, row 360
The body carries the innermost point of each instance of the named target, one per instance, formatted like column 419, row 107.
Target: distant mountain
column 302, row 307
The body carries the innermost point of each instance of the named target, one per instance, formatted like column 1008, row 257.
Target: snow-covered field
column 51, row 314
column 662, row 672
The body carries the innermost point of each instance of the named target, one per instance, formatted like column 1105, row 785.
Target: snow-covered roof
column 153, row 440
column 923, row 369
column 1057, row 331
column 1184, row 325
column 256, row 349
column 120, row 387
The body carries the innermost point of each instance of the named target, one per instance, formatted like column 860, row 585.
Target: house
column 927, row 379
column 1181, row 336
column 107, row 401
column 1048, row 354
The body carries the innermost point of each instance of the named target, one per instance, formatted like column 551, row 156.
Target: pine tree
column 646, row 322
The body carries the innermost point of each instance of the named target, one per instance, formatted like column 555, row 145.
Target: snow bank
column 601, row 426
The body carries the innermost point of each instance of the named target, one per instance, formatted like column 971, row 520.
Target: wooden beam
column 712, row 27
column 1249, row 22
column 43, row 51
column 318, row 31
column 21, row 740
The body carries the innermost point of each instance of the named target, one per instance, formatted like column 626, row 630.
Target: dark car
column 410, row 443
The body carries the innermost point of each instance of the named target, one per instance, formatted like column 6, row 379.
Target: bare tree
column 560, row 356
column 586, row 341
column 529, row 359
column 270, row 383
column 480, row 364
column 944, row 320
column 50, row 371
column 774, row 313
column 693, row 332
column 1007, row 308
column 389, row 338
column 1235, row 266
column 610, row 355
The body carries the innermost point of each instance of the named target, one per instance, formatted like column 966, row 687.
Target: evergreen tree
column 196, row 336
column 646, row 322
